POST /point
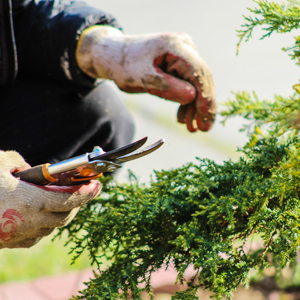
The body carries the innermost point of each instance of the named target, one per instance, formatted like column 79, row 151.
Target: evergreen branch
column 279, row 116
column 202, row 215
column 274, row 17
column 191, row 216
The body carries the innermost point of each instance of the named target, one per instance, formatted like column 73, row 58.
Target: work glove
column 164, row 64
column 29, row 212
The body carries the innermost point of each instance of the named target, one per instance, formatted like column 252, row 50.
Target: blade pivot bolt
column 111, row 168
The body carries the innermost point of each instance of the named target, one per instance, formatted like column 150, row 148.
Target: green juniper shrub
column 203, row 214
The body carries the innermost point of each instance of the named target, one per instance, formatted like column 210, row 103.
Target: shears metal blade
column 87, row 166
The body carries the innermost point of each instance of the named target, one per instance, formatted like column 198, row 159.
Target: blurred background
column 261, row 66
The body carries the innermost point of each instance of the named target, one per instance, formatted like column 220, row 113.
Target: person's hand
column 166, row 65
column 29, row 212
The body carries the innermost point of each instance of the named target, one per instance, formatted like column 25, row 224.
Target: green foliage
column 274, row 17
column 202, row 215
column 198, row 215
column 277, row 117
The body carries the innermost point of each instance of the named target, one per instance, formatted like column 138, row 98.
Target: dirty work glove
column 164, row 64
column 29, row 212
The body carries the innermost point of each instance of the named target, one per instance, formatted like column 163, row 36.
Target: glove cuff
column 98, row 47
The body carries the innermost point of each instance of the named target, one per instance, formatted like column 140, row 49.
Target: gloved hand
column 166, row 65
column 29, row 212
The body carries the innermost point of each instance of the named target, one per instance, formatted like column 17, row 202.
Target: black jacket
column 39, row 38
column 8, row 60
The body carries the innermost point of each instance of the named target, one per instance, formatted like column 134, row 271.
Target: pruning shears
column 88, row 166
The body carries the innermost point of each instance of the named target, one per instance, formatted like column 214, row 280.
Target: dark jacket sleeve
column 47, row 33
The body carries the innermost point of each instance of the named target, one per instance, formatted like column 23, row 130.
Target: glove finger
column 205, row 102
column 178, row 67
column 52, row 198
column 46, row 222
column 57, row 219
column 12, row 160
column 174, row 68
column 22, row 243
column 202, row 81
column 173, row 87
column 181, row 113
column 190, row 118
column 204, row 123
column 64, row 202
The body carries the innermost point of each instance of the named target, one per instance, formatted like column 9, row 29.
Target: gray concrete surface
column 261, row 66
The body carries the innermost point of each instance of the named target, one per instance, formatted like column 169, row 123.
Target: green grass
column 47, row 258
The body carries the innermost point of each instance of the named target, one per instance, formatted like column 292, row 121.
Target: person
column 55, row 60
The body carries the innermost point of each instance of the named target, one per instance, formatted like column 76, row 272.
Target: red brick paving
column 20, row 291
column 63, row 286
column 57, row 288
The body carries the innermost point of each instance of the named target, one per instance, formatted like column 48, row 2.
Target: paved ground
column 62, row 287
